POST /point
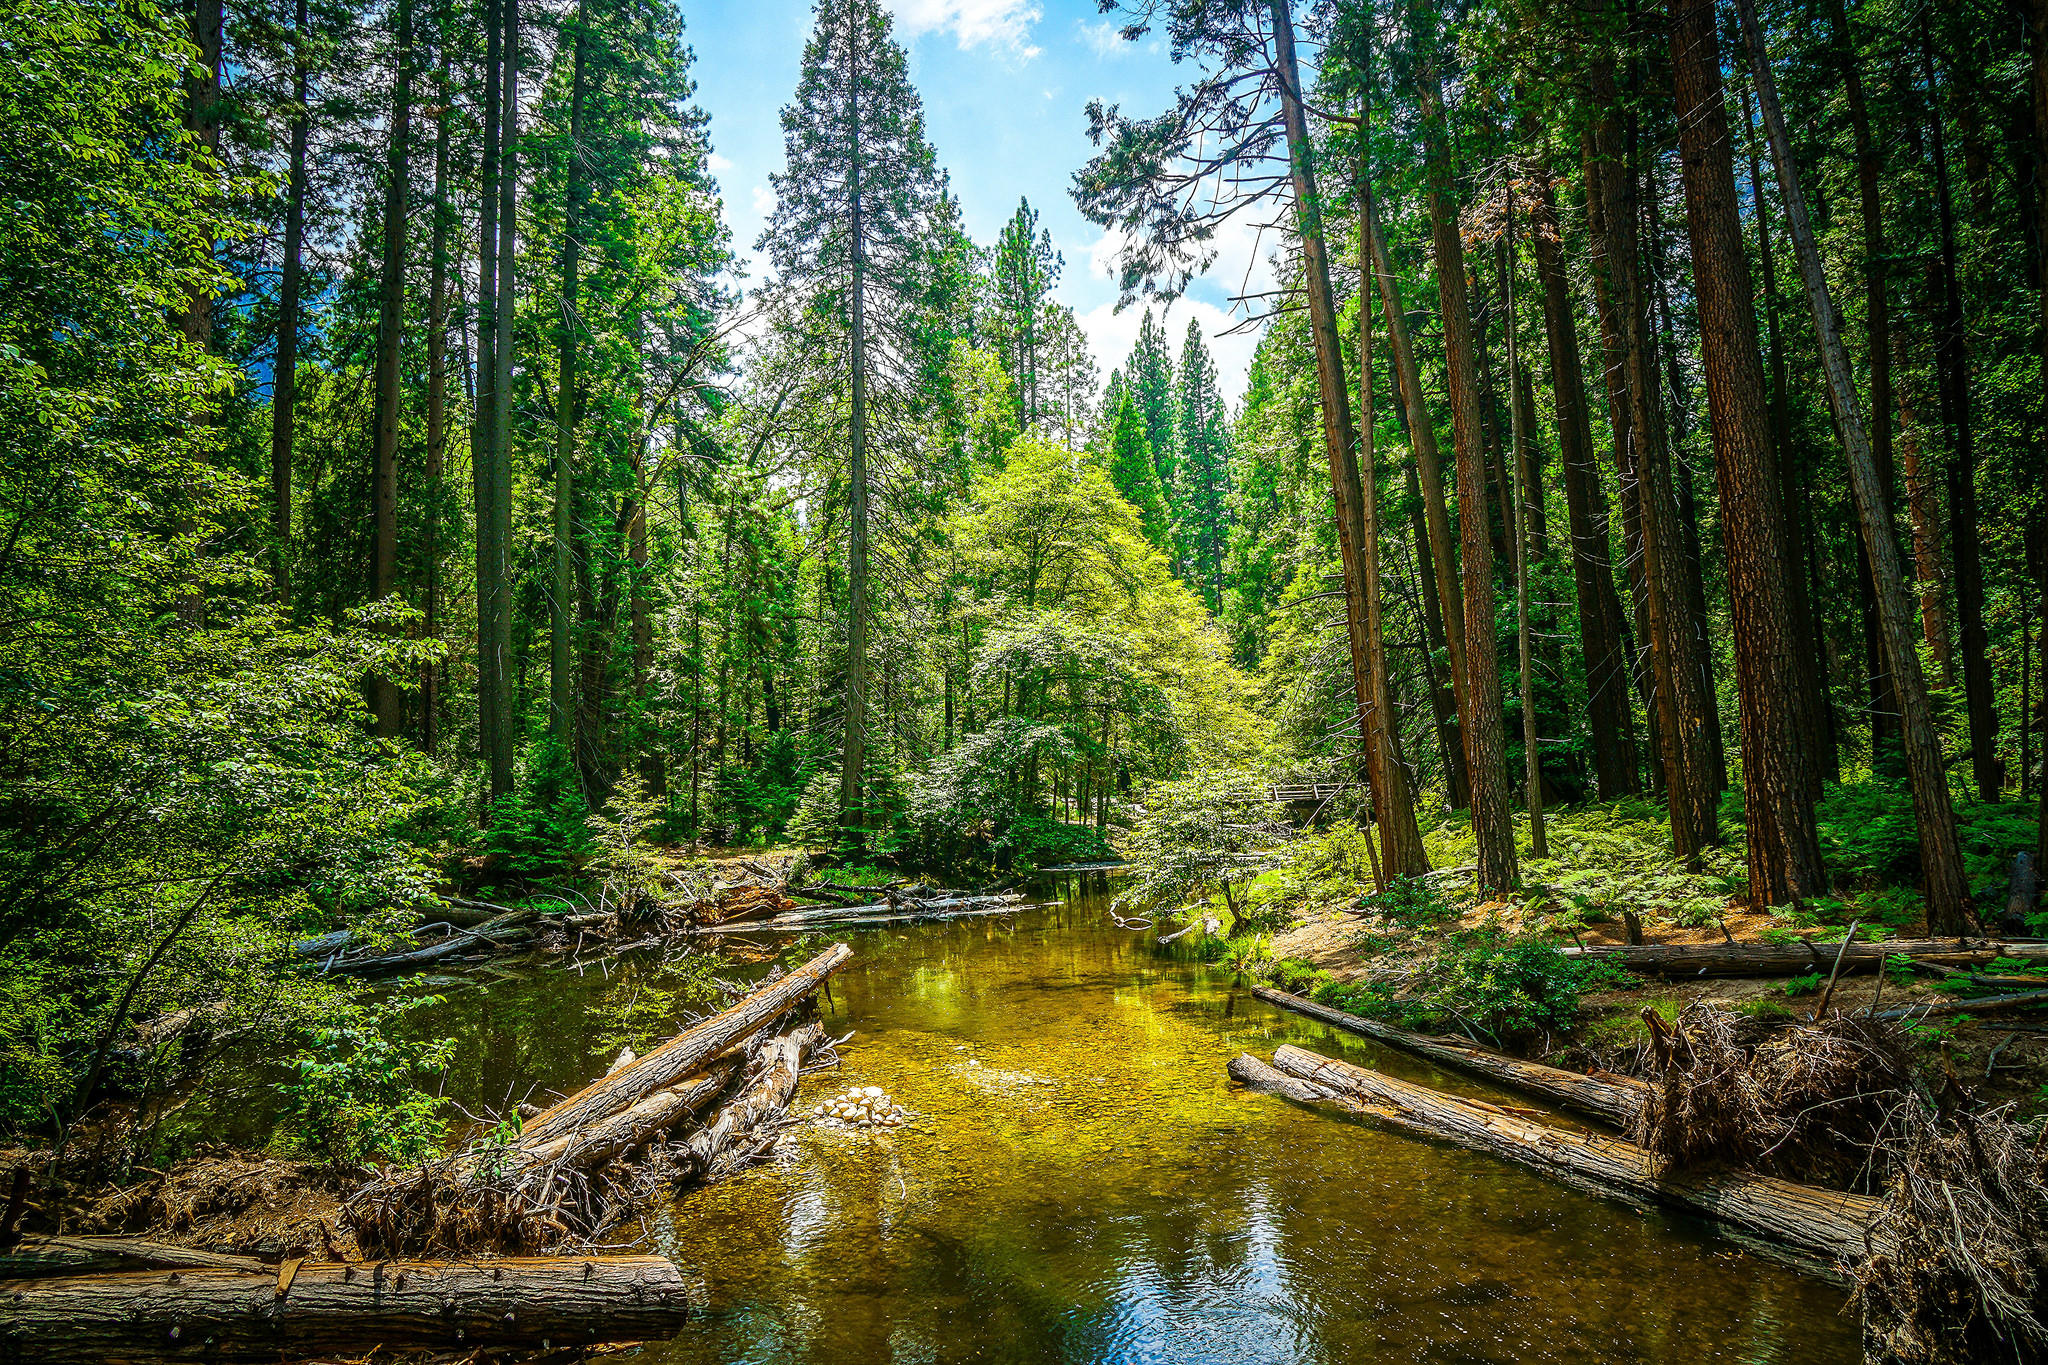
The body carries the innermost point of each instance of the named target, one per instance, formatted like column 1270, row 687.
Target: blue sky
column 1004, row 83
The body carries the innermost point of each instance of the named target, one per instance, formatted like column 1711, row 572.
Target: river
column 1083, row 1184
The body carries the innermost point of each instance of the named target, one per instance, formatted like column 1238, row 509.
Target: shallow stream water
column 1082, row 1183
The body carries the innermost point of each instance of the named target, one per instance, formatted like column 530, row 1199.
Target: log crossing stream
column 1081, row 1183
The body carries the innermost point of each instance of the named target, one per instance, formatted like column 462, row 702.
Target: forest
column 431, row 534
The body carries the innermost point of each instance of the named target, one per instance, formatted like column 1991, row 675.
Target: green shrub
column 539, row 830
column 1292, row 974
column 352, row 1095
column 1867, row 832
column 1501, row 984
column 1412, row 903
column 1765, row 1009
column 1804, row 985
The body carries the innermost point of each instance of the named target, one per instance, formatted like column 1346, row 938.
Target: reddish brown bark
column 1607, row 697
column 1485, row 743
column 1784, row 845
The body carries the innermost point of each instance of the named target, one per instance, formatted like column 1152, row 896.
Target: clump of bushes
column 1483, row 981
column 354, row 1094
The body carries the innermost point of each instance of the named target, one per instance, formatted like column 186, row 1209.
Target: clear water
column 1083, row 1184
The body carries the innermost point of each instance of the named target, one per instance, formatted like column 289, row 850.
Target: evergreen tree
column 1149, row 375
column 857, row 191
column 1201, row 496
column 1131, row 466
column 1025, row 267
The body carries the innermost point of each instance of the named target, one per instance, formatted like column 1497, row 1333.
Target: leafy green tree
column 1149, row 379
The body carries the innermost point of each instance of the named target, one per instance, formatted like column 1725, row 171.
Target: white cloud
column 999, row 23
column 719, row 164
column 1105, row 38
column 1111, row 335
column 1241, row 266
column 764, row 202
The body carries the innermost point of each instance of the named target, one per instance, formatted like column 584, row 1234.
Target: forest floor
column 1999, row 1060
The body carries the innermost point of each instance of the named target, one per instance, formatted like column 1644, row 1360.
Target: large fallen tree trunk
column 637, row 1124
column 1248, row 1070
column 1791, row 959
column 860, row 915
column 37, row 1256
column 724, row 1145
column 1823, row 1231
column 684, row 1054
column 1613, row 1099
column 313, row 1310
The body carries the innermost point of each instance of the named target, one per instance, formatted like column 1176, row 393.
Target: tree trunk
column 1784, row 843
column 1674, row 650
column 437, row 419
column 1944, row 879
column 1485, row 747
column 1614, row 1099
column 385, row 698
column 568, row 411
column 490, row 552
column 852, row 748
column 1356, row 478
column 683, row 1054
column 1519, row 519
column 1436, row 551
column 1809, row 652
column 285, row 372
column 1607, row 296
column 1954, row 365
column 1923, row 506
column 1607, row 694
column 1824, row 1231
column 1877, row 345
column 344, row 1310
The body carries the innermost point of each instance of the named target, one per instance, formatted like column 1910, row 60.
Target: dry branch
column 1792, row 959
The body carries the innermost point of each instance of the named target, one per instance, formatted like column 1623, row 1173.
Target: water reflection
column 1081, row 1184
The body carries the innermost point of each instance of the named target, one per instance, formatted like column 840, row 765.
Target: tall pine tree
column 859, row 186
column 1201, row 493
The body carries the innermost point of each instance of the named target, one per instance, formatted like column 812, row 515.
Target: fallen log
column 33, row 1257
column 499, row 930
column 1982, row 1004
column 714, row 1151
column 636, row 1125
column 329, row 1309
column 683, row 1054
column 1823, row 1231
column 1613, row 1099
column 1792, row 959
column 1254, row 1074
column 835, row 920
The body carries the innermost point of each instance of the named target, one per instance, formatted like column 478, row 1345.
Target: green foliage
column 541, row 830
column 354, row 1094
column 1804, row 985
column 1294, row 975
column 1867, row 832
column 1210, row 834
column 1412, row 903
column 1500, row 984
column 622, row 857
